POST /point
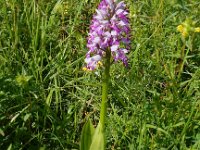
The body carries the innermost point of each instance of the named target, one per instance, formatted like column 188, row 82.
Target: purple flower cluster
column 109, row 30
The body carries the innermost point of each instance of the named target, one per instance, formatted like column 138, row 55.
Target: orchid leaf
column 98, row 139
column 87, row 135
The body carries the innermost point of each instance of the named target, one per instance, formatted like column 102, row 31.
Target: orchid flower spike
column 109, row 30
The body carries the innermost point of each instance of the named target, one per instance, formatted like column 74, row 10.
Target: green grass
column 45, row 97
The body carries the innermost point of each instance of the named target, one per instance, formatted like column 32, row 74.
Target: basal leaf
column 98, row 139
column 87, row 135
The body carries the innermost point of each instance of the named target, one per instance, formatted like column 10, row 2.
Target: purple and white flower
column 109, row 29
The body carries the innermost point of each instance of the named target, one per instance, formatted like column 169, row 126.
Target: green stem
column 105, row 86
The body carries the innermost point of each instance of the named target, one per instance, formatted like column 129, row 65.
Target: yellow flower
column 85, row 69
column 180, row 28
column 99, row 64
column 183, row 30
column 197, row 29
column 184, row 33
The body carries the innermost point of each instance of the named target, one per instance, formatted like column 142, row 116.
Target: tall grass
column 45, row 97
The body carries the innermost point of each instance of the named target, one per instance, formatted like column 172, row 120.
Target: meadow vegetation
column 46, row 97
